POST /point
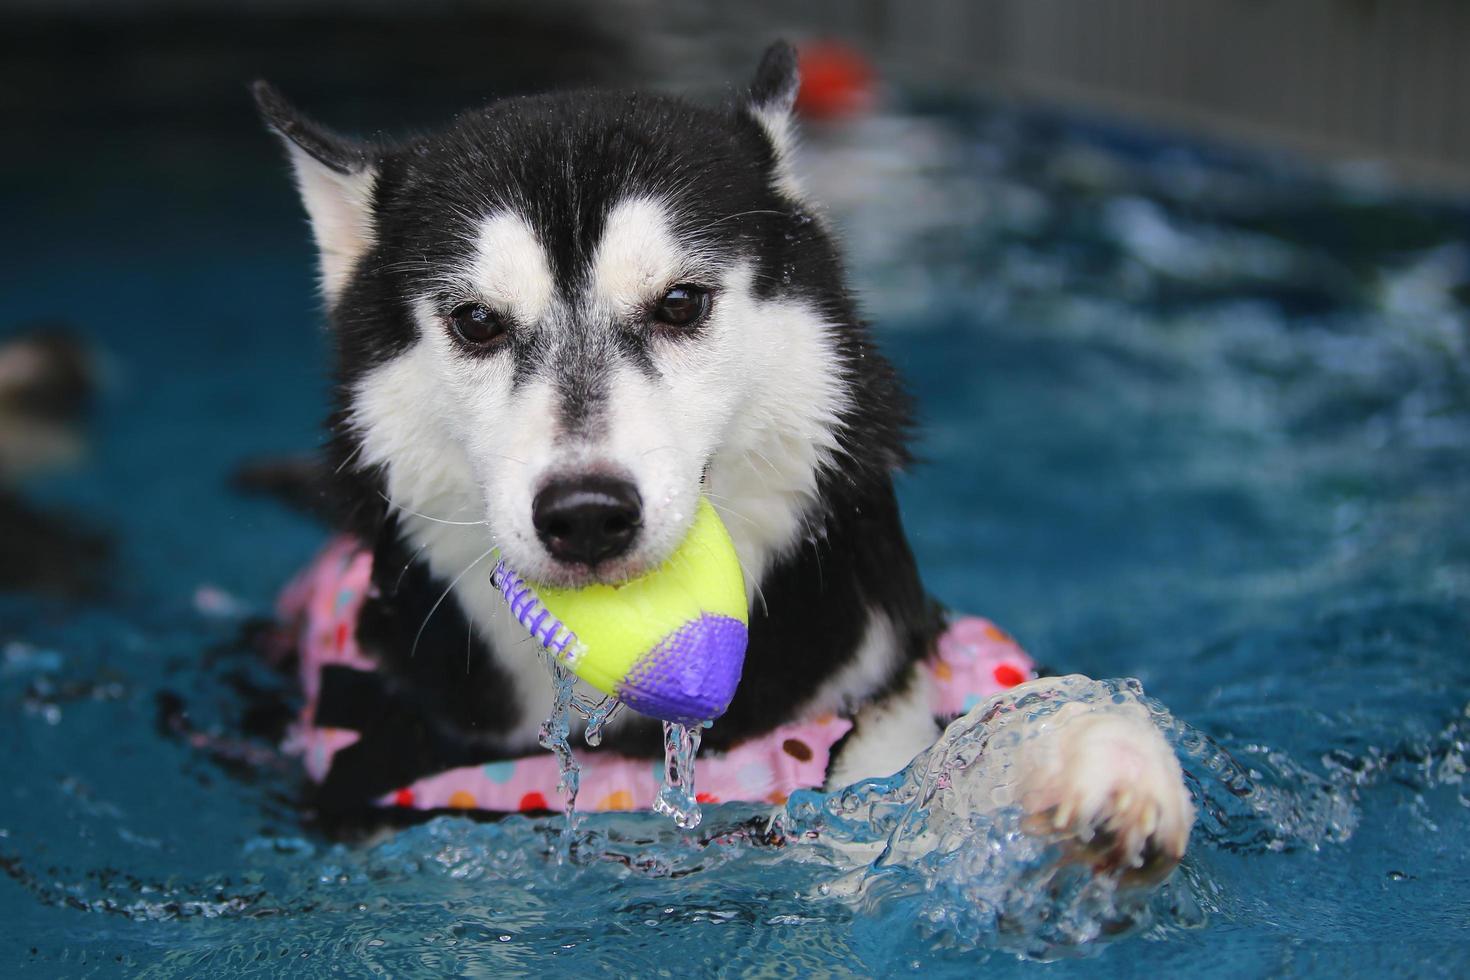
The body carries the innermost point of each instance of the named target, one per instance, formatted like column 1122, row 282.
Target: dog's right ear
column 336, row 176
column 770, row 101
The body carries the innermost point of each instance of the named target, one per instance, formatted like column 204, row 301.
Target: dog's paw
column 1104, row 784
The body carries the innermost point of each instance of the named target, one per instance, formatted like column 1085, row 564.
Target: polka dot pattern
column 973, row 661
column 797, row 749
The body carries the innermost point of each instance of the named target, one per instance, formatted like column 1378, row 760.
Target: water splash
column 929, row 844
column 555, row 736
column 676, row 797
column 914, row 855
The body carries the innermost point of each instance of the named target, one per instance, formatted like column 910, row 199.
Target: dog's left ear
column 770, row 101
column 336, row 177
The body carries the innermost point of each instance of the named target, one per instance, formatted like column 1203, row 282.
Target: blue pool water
column 1190, row 416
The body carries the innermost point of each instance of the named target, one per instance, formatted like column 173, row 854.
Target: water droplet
column 597, row 718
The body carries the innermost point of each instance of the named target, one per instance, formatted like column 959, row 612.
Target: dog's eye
column 477, row 325
column 682, row 306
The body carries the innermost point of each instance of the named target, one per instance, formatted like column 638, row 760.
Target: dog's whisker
column 348, row 460
column 816, row 543
column 436, row 520
column 727, row 508
column 413, row 651
column 409, row 564
column 764, row 459
column 732, row 217
column 754, row 582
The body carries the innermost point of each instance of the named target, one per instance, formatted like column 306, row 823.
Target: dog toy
column 670, row 643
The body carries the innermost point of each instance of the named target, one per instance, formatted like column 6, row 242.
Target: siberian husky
column 559, row 322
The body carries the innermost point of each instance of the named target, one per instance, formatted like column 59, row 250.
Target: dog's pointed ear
column 770, row 102
column 336, row 177
column 777, row 79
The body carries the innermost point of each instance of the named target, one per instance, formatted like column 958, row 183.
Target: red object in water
column 1008, row 676
column 836, row 80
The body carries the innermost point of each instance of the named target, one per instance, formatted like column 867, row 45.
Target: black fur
column 341, row 154
column 776, row 79
column 440, row 701
column 561, row 160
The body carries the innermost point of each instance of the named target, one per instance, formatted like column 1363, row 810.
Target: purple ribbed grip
column 526, row 607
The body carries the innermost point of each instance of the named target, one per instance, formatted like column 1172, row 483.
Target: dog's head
column 564, row 317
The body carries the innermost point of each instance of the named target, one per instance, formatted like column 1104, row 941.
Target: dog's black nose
column 588, row 519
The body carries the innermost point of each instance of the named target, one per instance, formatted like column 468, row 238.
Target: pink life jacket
column 972, row 660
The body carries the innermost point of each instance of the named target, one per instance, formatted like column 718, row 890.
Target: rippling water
column 1190, row 417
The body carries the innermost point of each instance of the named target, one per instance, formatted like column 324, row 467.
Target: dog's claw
column 1106, row 786
column 1061, row 817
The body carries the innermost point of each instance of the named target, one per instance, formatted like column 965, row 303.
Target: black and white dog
column 559, row 322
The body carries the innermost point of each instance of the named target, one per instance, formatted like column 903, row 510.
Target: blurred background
column 137, row 183
column 1181, row 287
column 1373, row 80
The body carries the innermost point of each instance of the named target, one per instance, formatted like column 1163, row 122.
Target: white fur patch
column 776, row 120
column 782, row 428
column 637, row 257
column 510, row 271
column 340, row 208
column 886, row 735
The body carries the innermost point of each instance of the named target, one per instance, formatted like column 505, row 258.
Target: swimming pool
column 1191, row 416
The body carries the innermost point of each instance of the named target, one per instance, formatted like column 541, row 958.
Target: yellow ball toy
column 670, row 643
